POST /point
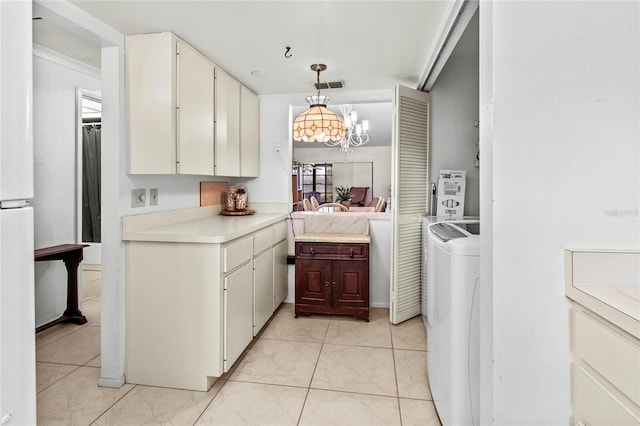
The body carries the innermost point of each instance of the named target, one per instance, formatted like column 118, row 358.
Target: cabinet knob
column 312, row 251
column 326, row 284
column 333, row 284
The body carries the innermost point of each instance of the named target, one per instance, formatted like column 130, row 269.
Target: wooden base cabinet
column 332, row 278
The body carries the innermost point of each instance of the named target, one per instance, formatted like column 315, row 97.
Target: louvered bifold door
column 410, row 172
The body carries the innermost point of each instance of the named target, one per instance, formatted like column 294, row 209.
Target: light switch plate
column 138, row 197
column 153, row 196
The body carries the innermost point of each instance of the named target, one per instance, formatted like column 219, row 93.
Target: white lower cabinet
column 262, row 290
column 238, row 325
column 605, row 370
column 192, row 308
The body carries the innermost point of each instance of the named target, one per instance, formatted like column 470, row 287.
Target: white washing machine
column 451, row 275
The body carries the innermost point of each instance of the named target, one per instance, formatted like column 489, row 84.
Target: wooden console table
column 71, row 255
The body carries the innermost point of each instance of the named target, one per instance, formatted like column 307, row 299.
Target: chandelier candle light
column 319, row 124
column 357, row 134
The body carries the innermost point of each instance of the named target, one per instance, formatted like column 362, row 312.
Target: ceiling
column 369, row 44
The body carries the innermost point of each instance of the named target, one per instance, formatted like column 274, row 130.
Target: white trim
column 111, row 383
column 452, row 28
column 61, row 59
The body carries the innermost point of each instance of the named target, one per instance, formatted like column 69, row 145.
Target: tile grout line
column 112, row 405
column 314, row 371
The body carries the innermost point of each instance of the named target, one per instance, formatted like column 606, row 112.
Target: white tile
column 324, row 408
column 47, row 373
column 77, row 399
column 411, row 371
column 355, row 369
column 410, row 334
column 146, row 405
column 76, row 348
column 418, row 413
column 241, row 403
column 278, row 362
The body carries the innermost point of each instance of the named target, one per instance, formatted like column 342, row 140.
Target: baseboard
column 91, row 267
column 107, row 382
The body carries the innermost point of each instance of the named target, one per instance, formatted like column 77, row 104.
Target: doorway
column 88, row 183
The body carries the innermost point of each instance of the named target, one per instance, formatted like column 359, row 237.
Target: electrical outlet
column 153, row 196
column 276, row 148
column 138, row 197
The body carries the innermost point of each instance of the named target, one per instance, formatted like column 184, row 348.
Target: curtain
column 91, row 184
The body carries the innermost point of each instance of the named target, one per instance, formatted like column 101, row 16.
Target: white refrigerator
column 17, row 320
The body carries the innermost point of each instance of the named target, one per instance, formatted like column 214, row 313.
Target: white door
column 409, row 176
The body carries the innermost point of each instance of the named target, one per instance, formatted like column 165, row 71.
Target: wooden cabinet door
column 262, row 290
column 195, row 112
column 249, row 133
column 238, row 313
column 227, row 125
column 313, row 282
column 350, row 284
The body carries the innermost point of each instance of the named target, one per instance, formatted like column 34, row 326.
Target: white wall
column 560, row 100
column 454, row 108
column 55, row 79
column 274, row 184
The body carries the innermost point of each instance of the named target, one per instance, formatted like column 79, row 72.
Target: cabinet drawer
column 593, row 404
column 279, row 231
column 610, row 353
column 332, row 251
column 236, row 253
column 262, row 240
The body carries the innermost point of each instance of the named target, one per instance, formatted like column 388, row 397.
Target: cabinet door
column 313, row 282
column 238, row 315
column 280, row 275
column 195, row 112
column 249, row 133
column 350, row 284
column 262, row 290
column 227, row 124
column 151, row 89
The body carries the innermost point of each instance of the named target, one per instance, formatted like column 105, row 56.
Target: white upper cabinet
column 183, row 121
column 195, row 112
column 249, row 133
column 227, row 127
column 151, row 85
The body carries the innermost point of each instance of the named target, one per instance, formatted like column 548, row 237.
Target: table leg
column 72, row 313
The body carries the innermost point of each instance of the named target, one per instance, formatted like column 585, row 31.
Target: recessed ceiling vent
column 329, row 85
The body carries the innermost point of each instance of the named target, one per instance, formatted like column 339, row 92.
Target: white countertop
column 211, row 230
column 328, row 237
column 606, row 282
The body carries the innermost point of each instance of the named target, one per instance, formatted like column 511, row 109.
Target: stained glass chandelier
column 318, row 124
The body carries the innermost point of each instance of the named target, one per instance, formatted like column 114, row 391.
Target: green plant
column 343, row 193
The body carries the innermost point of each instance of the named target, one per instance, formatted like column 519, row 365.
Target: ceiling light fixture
column 356, row 134
column 318, row 124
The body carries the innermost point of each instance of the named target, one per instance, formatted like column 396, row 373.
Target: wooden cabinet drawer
column 236, row 253
column 279, row 232
column 609, row 352
column 262, row 240
column 332, row 251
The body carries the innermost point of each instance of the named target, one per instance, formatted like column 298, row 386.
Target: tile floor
column 306, row 371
